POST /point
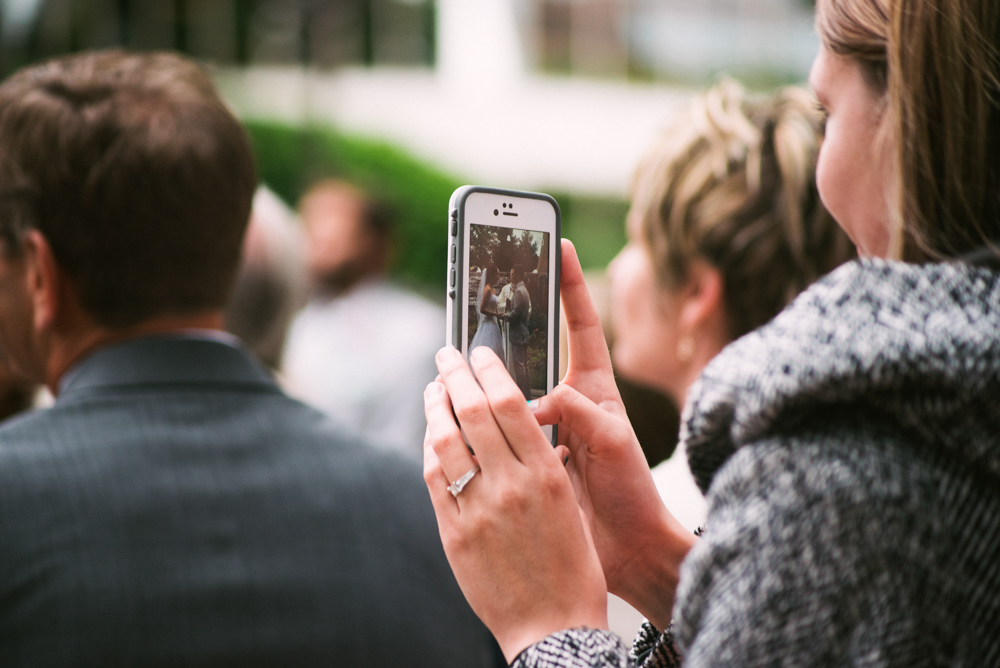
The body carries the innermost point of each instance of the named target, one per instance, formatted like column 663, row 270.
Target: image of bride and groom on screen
column 502, row 322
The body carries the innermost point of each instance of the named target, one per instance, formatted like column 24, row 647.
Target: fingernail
column 534, row 404
column 433, row 388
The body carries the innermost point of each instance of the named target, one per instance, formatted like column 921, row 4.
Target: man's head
column 517, row 274
column 348, row 235
column 132, row 177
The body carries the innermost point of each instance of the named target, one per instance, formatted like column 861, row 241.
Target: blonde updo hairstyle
column 937, row 64
column 732, row 181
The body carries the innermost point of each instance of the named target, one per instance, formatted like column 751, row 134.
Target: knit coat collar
column 917, row 346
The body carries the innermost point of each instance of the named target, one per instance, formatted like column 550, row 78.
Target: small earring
column 685, row 348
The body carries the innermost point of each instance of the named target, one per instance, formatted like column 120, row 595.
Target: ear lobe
column 45, row 280
column 702, row 297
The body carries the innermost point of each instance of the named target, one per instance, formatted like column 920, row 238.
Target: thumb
column 578, row 414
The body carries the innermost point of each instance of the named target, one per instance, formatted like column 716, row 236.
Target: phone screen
column 508, row 301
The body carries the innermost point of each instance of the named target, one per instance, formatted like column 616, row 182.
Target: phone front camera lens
column 496, row 212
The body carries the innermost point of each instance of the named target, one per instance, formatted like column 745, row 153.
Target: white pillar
column 478, row 41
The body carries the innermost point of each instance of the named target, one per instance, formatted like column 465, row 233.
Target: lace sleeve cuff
column 576, row 648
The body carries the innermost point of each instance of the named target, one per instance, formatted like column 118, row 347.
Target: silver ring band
column 456, row 487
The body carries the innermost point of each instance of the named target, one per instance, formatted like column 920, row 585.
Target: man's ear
column 46, row 281
column 702, row 298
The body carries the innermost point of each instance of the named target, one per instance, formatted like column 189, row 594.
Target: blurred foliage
column 290, row 158
column 486, row 246
column 595, row 225
column 536, row 364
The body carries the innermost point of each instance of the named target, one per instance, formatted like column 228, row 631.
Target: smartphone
column 503, row 282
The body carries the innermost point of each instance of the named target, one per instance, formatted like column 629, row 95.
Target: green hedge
column 289, row 158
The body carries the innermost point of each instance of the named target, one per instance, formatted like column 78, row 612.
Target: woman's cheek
column 826, row 172
column 833, row 179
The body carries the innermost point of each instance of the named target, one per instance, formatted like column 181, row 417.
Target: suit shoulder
column 24, row 432
column 343, row 447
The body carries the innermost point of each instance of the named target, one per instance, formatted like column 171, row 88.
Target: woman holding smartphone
column 850, row 448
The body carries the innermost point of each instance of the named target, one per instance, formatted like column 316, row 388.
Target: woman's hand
column 514, row 536
column 639, row 542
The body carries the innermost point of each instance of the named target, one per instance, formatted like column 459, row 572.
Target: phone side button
column 452, row 277
column 451, row 294
column 454, row 252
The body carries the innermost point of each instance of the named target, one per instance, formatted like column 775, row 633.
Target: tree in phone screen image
column 508, row 301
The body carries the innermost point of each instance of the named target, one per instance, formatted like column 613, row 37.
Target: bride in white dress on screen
column 488, row 329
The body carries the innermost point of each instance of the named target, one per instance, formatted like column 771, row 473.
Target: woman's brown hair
column 941, row 77
column 732, row 181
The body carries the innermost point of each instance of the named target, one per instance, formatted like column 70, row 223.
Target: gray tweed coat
column 850, row 450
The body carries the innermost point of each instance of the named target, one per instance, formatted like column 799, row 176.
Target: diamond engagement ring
column 456, row 487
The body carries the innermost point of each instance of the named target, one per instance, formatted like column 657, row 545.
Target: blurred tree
column 526, row 251
column 484, row 246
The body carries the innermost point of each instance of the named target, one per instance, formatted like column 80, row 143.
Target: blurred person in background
column 849, row 448
column 363, row 348
column 726, row 228
column 174, row 507
column 271, row 282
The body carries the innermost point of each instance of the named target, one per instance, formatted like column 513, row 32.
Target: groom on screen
column 517, row 320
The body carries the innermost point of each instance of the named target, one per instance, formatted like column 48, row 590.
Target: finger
column 578, row 414
column 445, row 507
column 473, row 411
column 443, row 436
column 588, row 349
column 509, row 407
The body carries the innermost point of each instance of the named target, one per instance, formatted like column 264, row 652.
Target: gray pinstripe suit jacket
column 175, row 507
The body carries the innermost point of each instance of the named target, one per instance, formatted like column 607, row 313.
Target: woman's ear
column 702, row 307
column 46, row 281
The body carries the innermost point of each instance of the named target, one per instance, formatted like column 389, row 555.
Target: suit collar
column 173, row 359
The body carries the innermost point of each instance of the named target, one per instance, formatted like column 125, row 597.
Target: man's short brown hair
column 135, row 172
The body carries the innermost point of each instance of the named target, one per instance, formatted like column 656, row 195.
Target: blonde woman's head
column 726, row 227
